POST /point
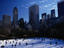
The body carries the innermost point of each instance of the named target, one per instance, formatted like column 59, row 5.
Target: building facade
column 53, row 13
column 6, row 24
column 15, row 17
column 0, row 23
column 44, row 17
column 34, row 16
column 48, row 16
column 61, row 9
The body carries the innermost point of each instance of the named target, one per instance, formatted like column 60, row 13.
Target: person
column 26, row 43
column 50, row 43
column 6, row 42
column 2, row 46
column 61, row 47
column 56, row 43
column 12, row 45
column 19, row 43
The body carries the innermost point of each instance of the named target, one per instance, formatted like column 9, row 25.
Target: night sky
column 6, row 7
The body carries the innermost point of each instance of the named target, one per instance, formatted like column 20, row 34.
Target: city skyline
column 23, row 7
column 21, row 19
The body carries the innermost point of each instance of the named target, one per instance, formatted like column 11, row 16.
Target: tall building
column 21, row 23
column 1, row 26
column 48, row 16
column 61, row 9
column 34, row 16
column 53, row 13
column 15, row 17
column 44, row 17
column 7, row 24
column 0, row 23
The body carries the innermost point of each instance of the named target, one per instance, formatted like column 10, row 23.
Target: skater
column 50, row 43
column 2, row 46
column 19, row 43
column 56, row 43
column 26, row 43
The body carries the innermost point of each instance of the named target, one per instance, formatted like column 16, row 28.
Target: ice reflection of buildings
column 34, row 16
column 6, row 24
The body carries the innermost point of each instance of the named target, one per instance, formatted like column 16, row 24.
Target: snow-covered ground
column 32, row 43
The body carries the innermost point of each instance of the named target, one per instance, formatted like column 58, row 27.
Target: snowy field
column 32, row 43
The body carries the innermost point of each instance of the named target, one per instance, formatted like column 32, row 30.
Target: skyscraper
column 6, row 23
column 15, row 17
column 43, row 16
column 48, row 16
column 61, row 9
column 0, row 23
column 34, row 16
column 53, row 13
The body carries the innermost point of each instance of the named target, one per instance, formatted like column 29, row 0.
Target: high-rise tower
column 34, row 16
column 61, row 8
column 53, row 13
column 15, row 17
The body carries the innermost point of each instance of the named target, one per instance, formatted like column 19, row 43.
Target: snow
column 32, row 43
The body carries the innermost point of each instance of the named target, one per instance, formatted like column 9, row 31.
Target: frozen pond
column 32, row 43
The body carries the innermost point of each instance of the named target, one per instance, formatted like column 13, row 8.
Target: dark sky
column 6, row 7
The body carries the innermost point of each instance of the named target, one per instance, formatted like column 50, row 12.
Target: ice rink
column 32, row 43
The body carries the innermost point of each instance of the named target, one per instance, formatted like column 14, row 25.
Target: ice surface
column 32, row 43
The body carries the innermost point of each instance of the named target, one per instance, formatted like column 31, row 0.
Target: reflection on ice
column 32, row 43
